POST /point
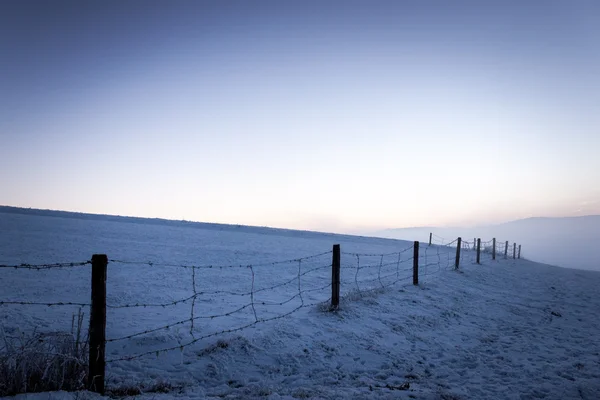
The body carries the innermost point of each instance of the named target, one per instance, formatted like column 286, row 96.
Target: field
column 246, row 310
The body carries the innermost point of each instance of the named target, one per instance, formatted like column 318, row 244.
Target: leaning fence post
column 493, row 248
column 514, row 250
column 458, row 244
column 478, row 250
column 506, row 250
column 97, row 329
column 335, row 277
column 430, row 235
column 416, row 264
column 519, row 251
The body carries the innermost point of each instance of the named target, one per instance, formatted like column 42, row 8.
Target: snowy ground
column 505, row 329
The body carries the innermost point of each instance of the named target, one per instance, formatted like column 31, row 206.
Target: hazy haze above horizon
column 335, row 116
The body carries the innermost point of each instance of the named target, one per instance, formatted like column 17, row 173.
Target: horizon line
column 364, row 233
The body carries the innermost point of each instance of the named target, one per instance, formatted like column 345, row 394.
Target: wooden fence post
column 430, row 235
column 458, row 245
column 478, row 251
column 474, row 243
column 97, row 329
column 506, row 250
column 519, row 251
column 514, row 250
column 493, row 248
column 335, row 277
column 416, row 264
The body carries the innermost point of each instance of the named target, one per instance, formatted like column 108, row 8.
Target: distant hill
column 572, row 242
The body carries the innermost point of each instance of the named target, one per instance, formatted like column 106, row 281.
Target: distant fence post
column 478, row 250
column 416, row 264
column 493, row 248
column 458, row 245
column 519, row 251
column 514, row 250
column 335, row 277
column 430, row 235
column 474, row 243
column 506, row 250
column 97, row 329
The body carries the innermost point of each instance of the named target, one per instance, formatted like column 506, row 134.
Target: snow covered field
column 506, row 329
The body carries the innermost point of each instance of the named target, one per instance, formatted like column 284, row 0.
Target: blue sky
column 339, row 116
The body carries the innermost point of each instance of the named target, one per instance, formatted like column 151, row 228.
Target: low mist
column 572, row 242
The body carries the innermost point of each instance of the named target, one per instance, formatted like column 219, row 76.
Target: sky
column 324, row 115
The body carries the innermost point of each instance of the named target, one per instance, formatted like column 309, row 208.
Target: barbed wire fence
column 476, row 251
column 367, row 272
column 304, row 284
column 436, row 259
column 242, row 296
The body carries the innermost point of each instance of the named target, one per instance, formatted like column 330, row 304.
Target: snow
column 505, row 329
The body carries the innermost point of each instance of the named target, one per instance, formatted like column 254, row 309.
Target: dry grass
column 39, row 362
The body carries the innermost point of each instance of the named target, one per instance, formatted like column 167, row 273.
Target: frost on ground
column 501, row 330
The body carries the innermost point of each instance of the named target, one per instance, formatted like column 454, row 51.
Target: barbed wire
column 368, row 266
column 193, row 302
column 451, row 243
column 360, row 284
column 437, row 241
column 362, row 292
column 432, row 261
column 298, row 295
column 411, row 247
column 180, row 322
column 251, row 305
column 46, row 266
column 502, row 250
column 34, row 303
column 217, row 292
column 218, row 333
column 223, row 266
column 440, row 241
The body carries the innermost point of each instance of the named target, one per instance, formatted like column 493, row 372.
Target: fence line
column 502, row 248
column 359, row 273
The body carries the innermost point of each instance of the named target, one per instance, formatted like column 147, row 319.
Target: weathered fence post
column 478, row 250
column 416, row 264
column 519, row 251
column 506, row 250
column 474, row 243
column 514, row 250
column 430, row 235
column 458, row 245
column 493, row 248
column 335, row 277
column 97, row 329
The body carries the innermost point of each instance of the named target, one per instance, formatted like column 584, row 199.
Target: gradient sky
column 326, row 115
